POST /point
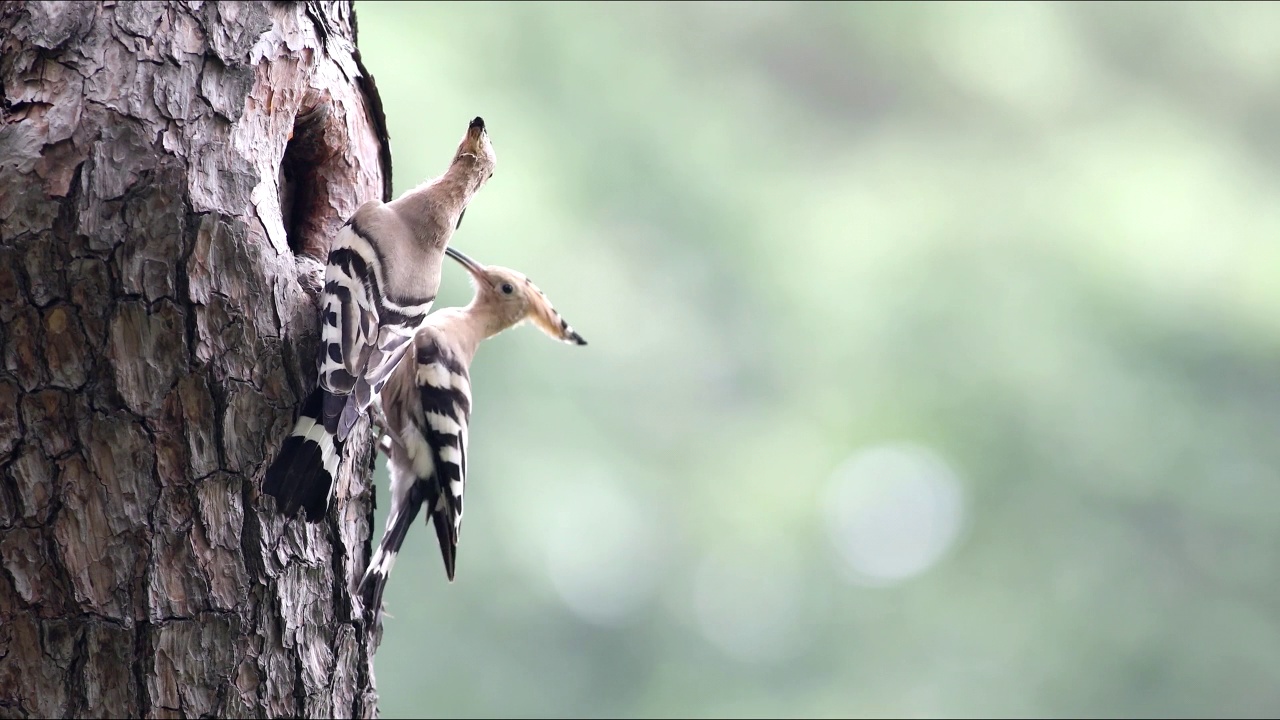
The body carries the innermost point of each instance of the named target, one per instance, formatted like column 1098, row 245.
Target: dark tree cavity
column 170, row 175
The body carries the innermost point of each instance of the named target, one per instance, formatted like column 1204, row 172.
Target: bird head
column 512, row 298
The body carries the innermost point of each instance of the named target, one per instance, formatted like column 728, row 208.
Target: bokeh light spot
column 602, row 556
column 893, row 511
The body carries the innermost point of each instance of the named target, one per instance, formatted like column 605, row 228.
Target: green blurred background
column 932, row 368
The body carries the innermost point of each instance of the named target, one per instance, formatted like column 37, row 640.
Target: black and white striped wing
column 392, row 344
column 427, row 403
column 364, row 327
column 444, row 394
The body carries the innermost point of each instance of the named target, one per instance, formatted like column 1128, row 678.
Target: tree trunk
column 170, row 173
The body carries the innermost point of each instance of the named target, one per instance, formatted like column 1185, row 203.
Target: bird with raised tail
column 427, row 406
column 381, row 278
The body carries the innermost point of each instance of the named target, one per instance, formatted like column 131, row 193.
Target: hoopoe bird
column 381, row 278
column 427, row 406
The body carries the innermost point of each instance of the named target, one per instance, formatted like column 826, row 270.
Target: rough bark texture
column 160, row 163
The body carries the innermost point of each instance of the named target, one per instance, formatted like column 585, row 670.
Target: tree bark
column 170, row 175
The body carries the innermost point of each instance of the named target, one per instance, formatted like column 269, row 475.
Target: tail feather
column 302, row 474
column 448, row 540
column 375, row 577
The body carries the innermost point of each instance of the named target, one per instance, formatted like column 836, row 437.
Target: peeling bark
column 170, row 174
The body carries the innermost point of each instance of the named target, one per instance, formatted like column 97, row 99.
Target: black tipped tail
column 375, row 577
column 448, row 542
column 301, row 477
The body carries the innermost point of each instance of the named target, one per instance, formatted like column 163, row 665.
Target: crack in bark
column 142, row 651
column 75, row 672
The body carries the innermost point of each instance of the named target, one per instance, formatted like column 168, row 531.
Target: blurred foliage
column 932, row 367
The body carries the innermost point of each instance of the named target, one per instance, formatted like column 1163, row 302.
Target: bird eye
column 507, row 289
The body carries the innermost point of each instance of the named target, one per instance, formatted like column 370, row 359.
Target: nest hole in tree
column 304, row 176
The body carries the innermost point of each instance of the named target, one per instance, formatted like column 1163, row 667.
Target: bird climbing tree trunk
column 170, row 173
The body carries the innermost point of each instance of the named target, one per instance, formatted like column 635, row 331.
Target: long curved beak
column 472, row 266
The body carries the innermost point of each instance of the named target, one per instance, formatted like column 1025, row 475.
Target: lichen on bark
column 157, row 327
